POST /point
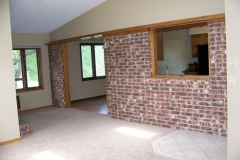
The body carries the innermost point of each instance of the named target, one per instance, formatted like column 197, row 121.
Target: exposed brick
column 192, row 104
column 57, row 75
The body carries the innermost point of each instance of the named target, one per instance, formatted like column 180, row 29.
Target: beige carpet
column 70, row 134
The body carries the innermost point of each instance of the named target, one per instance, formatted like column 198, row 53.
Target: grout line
column 220, row 147
column 180, row 147
column 198, row 145
column 189, row 134
column 202, row 149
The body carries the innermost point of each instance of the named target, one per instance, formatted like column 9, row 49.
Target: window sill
column 193, row 76
column 89, row 79
column 28, row 90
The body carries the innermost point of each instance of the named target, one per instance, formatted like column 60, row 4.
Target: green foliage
column 17, row 63
column 99, row 60
column 86, row 61
column 31, row 66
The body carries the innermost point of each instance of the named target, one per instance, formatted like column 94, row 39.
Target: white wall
column 9, row 127
column 175, row 49
column 82, row 89
column 181, row 34
column 175, row 56
column 232, row 34
column 198, row 30
column 117, row 14
column 176, row 34
column 38, row 98
column 186, row 34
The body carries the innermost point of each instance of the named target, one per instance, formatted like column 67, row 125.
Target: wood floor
column 97, row 105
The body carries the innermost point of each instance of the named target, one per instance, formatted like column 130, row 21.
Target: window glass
column 32, row 67
column 19, row 84
column 86, row 61
column 99, row 60
column 17, row 63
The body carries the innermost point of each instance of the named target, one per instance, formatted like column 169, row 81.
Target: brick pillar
column 57, row 75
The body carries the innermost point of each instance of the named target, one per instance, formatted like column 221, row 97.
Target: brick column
column 57, row 75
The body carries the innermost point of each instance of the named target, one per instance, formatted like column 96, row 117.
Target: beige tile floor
column 186, row 145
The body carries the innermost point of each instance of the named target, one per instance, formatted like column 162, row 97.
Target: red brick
column 193, row 104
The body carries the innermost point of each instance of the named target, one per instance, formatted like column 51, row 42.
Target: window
column 27, row 69
column 92, row 61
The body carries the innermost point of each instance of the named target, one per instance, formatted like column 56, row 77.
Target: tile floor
column 186, row 145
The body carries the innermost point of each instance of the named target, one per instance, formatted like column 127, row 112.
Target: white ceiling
column 44, row 16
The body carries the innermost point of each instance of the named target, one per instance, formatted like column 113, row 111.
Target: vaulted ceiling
column 44, row 16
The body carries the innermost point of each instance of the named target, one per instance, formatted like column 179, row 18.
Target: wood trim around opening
column 201, row 19
column 153, row 51
column 187, row 76
column 10, row 141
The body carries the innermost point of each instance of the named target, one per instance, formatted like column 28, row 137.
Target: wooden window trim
column 155, row 56
column 93, row 62
column 181, row 76
column 24, row 78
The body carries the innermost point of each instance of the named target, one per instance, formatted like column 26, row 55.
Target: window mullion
column 24, row 70
column 38, row 67
column 93, row 61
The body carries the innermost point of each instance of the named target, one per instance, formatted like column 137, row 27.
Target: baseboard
column 10, row 141
column 88, row 98
column 33, row 109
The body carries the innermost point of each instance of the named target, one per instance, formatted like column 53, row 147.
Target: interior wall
column 117, row 14
column 233, row 33
column 175, row 42
column 8, row 108
column 175, row 56
column 38, row 98
column 190, row 104
column 176, row 34
column 198, row 30
column 82, row 89
column 186, row 34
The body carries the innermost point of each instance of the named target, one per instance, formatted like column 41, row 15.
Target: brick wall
column 57, row 75
column 192, row 104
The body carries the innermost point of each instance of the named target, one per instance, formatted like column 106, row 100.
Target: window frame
column 94, row 77
column 24, row 75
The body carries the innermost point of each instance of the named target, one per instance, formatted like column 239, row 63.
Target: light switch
column 232, row 63
column 231, row 81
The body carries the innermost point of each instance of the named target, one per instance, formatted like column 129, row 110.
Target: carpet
column 71, row 134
